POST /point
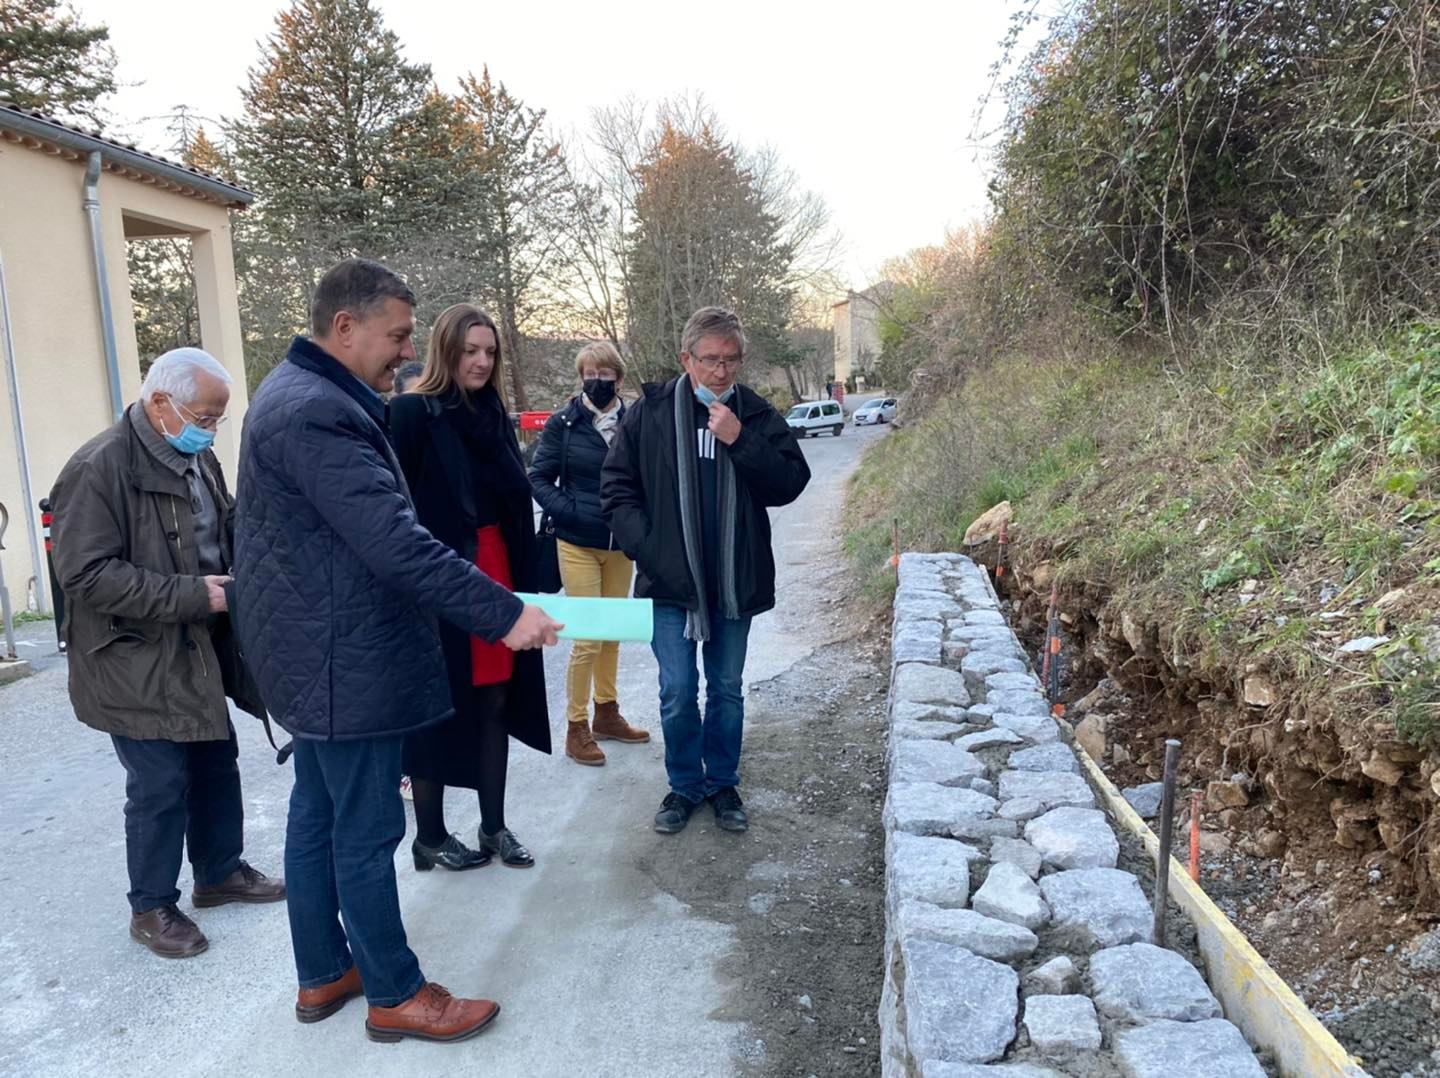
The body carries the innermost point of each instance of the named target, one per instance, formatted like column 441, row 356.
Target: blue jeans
column 701, row 756
column 346, row 819
column 179, row 794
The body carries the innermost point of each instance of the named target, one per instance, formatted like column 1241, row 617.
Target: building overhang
column 36, row 131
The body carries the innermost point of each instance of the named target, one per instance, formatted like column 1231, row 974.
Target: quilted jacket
column 575, row 507
column 338, row 587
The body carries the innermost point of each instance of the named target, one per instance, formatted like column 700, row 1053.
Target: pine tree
column 702, row 235
column 350, row 151
column 524, row 189
column 203, row 154
column 52, row 62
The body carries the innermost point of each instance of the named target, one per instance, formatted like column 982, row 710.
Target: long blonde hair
column 447, row 345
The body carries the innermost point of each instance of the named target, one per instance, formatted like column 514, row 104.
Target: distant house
column 857, row 334
column 69, row 202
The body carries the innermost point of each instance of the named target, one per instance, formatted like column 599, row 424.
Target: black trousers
column 179, row 794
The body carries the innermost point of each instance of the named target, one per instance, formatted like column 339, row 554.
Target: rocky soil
column 1315, row 841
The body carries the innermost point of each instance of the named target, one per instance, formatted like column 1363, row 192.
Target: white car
column 875, row 410
column 815, row 417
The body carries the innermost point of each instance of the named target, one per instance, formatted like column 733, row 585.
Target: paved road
column 598, row 971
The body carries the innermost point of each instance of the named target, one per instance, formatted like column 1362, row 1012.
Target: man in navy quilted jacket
column 338, row 589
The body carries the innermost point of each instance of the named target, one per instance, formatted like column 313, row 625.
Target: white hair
column 174, row 373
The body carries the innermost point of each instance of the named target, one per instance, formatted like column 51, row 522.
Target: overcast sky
column 873, row 106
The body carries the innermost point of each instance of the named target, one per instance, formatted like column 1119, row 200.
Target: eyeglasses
column 714, row 363
column 204, row 422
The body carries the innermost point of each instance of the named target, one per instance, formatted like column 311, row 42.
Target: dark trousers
column 179, row 795
column 346, row 820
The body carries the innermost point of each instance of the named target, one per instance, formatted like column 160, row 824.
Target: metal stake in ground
column 1167, row 822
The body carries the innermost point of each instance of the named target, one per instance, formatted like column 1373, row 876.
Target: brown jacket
column 147, row 659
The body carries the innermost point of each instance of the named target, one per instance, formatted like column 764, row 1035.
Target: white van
column 813, row 417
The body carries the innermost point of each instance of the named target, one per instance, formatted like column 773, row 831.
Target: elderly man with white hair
column 143, row 536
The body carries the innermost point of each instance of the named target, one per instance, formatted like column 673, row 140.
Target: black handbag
column 547, row 550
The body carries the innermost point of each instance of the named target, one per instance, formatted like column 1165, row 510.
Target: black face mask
column 601, row 392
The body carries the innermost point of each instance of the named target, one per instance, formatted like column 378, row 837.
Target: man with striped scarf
column 685, row 488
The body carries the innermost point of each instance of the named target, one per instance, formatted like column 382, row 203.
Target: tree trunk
column 519, row 400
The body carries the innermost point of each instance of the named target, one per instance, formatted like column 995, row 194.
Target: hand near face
column 723, row 423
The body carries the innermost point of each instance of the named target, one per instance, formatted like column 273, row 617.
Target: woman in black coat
column 462, row 461
column 565, row 478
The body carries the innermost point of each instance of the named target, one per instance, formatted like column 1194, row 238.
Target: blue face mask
column 707, row 396
column 191, row 439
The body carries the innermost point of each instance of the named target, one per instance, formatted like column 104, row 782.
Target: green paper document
column 626, row 621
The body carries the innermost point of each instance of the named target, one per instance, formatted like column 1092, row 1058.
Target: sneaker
column 405, row 791
column 674, row 814
column 729, row 810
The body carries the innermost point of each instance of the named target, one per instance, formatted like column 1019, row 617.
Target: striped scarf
column 687, row 467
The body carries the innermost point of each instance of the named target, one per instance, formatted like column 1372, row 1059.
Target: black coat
column 640, row 496
column 575, row 508
column 338, row 587
column 441, row 469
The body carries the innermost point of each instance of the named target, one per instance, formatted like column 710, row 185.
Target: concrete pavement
column 598, row 970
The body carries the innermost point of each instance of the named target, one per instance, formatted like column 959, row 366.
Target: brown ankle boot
column 609, row 723
column 580, row 745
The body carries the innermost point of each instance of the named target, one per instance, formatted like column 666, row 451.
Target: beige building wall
column 843, row 353
column 857, row 335
column 55, row 318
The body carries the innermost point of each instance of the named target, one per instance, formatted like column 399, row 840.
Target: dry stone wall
column 1014, row 945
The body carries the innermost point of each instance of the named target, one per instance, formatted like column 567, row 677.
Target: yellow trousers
column 597, row 573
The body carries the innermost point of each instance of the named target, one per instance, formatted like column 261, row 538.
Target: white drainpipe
column 102, row 284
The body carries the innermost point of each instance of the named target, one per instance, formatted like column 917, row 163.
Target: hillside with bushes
column 1195, row 350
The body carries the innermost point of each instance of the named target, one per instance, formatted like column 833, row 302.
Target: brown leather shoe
column 580, row 745
column 318, row 1003
column 168, row 932
column 609, row 723
column 245, row 884
column 432, row 1014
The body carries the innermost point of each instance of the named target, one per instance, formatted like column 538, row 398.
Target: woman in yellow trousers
column 565, row 477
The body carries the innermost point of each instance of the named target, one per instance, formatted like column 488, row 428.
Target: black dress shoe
column 729, row 810
column 674, row 814
column 508, row 847
column 452, row 854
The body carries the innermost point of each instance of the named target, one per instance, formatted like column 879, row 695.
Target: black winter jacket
column 338, row 586
column 441, row 473
column 640, row 496
column 575, row 508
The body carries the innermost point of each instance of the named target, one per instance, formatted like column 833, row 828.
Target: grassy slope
column 1168, row 494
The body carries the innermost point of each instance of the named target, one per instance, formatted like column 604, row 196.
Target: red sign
column 533, row 420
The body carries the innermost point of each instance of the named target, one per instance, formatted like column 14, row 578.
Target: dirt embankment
column 1319, row 829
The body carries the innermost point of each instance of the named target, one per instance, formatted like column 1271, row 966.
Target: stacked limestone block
column 1013, row 944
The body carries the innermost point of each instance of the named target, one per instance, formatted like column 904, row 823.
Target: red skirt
column 491, row 664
